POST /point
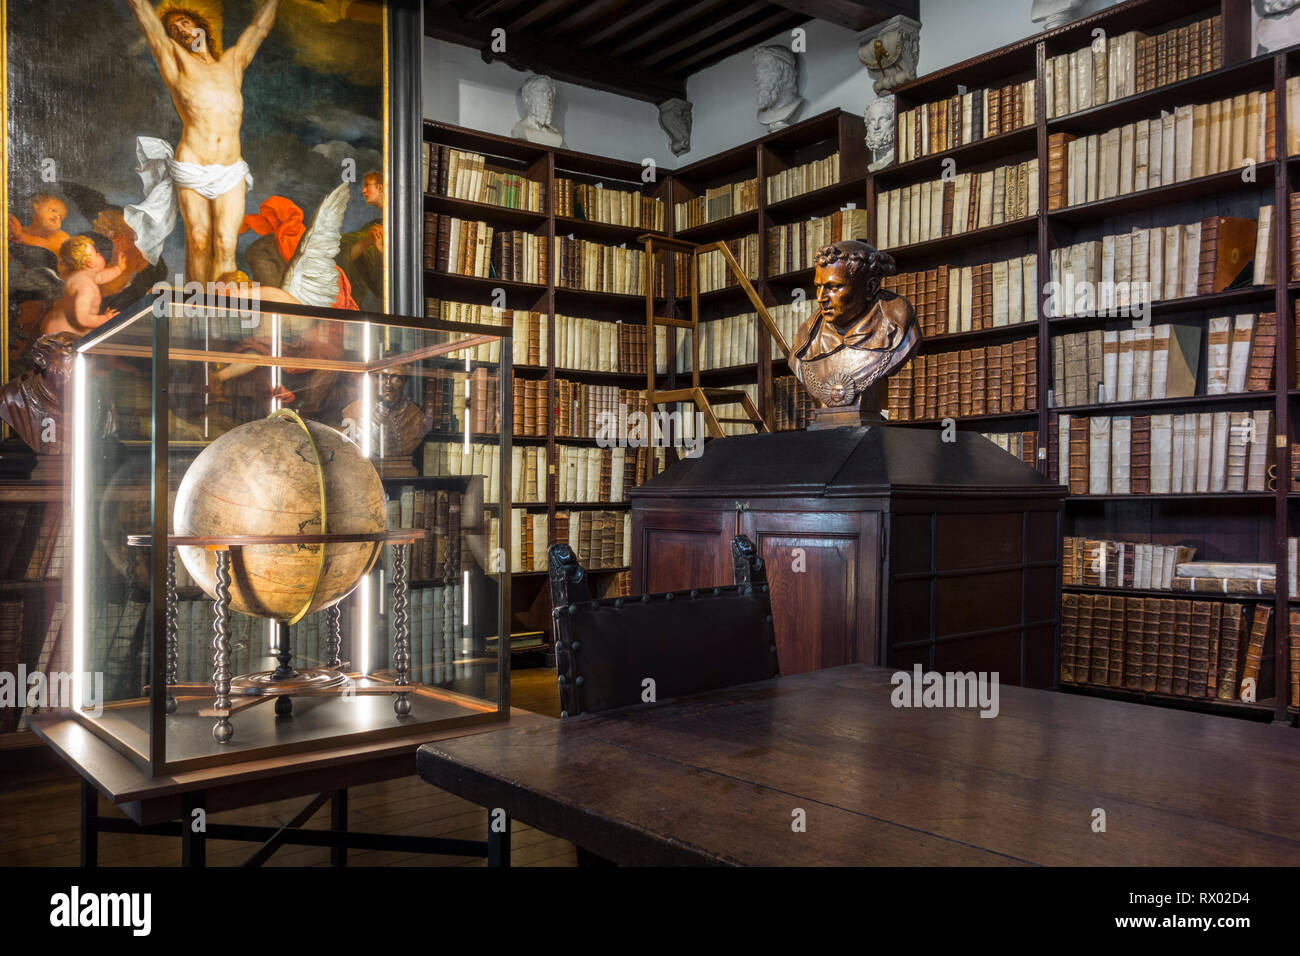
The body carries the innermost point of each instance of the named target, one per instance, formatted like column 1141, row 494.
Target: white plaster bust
column 879, row 118
column 1277, row 24
column 675, row 120
column 776, row 81
column 538, row 94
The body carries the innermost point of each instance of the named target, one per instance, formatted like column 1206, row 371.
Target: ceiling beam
column 700, row 19
column 853, row 14
column 689, row 39
column 525, row 51
column 613, row 27
column 741, row 39
column 539, row 12
column 584, row 14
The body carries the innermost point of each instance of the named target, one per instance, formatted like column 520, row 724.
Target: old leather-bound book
column 1227, row 247
column 1134, row 631
column 1182, row 646
column 1165, row 647
column 1198, row 653
column 1230, row 646
column 1261, row 618
column 1150, row 642
column 1259, row 375
column 1212, row 675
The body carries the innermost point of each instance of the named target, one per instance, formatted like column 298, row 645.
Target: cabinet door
column 674, row 549
column 824, row 569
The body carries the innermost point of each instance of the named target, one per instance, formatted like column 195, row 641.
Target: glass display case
column 286, row 528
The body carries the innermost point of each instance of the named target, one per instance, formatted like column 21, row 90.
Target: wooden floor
column 39, row 820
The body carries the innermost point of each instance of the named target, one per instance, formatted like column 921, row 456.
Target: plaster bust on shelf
column 776, row 79
column 859, row 333
column 880, row 132
column 538, row 94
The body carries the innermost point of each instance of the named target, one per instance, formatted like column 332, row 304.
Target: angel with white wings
column 310, row 277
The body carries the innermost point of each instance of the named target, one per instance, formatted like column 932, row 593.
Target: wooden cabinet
column 883, row 544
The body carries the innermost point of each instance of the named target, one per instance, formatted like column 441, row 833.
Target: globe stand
column 285, row 681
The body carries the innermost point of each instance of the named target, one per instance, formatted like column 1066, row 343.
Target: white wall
column 460, row 88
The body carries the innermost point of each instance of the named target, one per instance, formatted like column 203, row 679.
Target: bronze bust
column 397, row 424
column 858, row 335
column 35, row 404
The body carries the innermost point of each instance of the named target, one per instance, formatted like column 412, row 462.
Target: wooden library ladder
column 703, row 398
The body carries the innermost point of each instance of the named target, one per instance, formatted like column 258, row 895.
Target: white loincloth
column 154, row 219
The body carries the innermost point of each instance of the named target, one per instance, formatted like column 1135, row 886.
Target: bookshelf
column 1235, row 526
column 562, row 174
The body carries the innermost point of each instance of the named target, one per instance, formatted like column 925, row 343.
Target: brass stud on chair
column 573, row 609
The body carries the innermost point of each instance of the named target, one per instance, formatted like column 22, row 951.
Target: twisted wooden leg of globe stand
column 401, row 630
column 222, row 730
column 334, row 636
column 283, row 703
column 172, row 664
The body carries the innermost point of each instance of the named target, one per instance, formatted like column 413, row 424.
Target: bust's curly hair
column 859, row 256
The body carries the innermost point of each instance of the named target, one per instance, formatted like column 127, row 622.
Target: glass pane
column 296, row 456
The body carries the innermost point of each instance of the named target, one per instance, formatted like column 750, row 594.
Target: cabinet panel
column 825, row 584
column 673, row 550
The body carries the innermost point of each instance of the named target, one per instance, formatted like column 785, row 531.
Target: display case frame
column 148, row 744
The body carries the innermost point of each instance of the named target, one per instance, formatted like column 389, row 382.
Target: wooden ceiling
column 640, row 48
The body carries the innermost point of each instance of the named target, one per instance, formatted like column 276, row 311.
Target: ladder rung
column 666, row 241
column 738, row 421
column 679, row 323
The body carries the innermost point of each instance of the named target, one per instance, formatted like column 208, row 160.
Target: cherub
column 46, row 228
column 78, row 309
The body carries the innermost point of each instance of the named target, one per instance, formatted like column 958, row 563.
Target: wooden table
column 719, row 778
column 157, row 805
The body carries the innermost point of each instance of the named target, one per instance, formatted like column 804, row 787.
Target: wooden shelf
column 845, row 191
column 953, row 340
column 1149, row 103
column 602, row 231
column 732, row 227
column 1257, row 711
column 1027, row 226
column 930, row 166
column 1216, row 184
column 965, row 419
column 478, row 284
column 1160, row 593
column 1191, row 401
column 1194, row 496
column 1227, row 299
column 606, row 299
column 489, row 212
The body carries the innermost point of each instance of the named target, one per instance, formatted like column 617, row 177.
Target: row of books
column 797, row 180
column 1195, row 453
column 792, row 406
column 438, row 554
column 951, row 299
column 528, row 341
column 992, row 380
column 600, row 539
column 619, row 207
column 1292, row 115
column 474, row 248
column 718, row 202
column 1293, row 561
column 794, row 246
column 964, row 118
column 930, row 210
column 724, row 343
column 1111, row 68
column 1196, row 649
column 579, row 407
column 36, row 541
column 442, row 644
column 1223, row 577
column 597, row 346
column 11, row 654
column 528, row 540
column 1293, row 650
column 1097, row 563
column 454, row 458
column 1158, row 263
column 590, row 475
column 1163, row 361
column 716, row 273
column 597, row 267
column 528, row 474
column 459, row 399
column 1024, row 445
column 1193, row 140
column 464, row 174
column 788, row 317
column 531, row 407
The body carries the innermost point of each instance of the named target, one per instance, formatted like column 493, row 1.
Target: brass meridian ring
column 320, row 483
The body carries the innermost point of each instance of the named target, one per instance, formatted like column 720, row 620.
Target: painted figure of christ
column 206, row 176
